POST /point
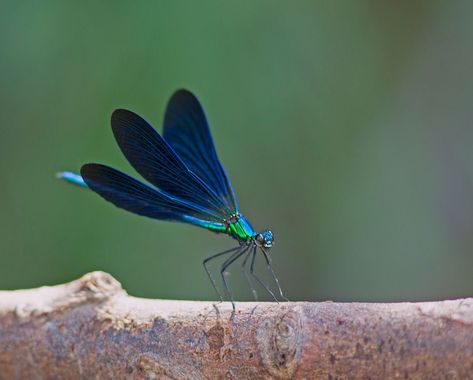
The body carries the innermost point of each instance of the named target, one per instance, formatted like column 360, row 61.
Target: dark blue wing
column 129, row 194
column 187, row 131
column 156, row 161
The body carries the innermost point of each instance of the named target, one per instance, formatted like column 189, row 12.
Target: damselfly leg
column 252, row 273
column 271, row 270
column 235, row 253
column 208, row 259
column 245, row 272
column 224, row 267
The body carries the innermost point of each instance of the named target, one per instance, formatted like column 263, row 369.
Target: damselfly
column 189, row 184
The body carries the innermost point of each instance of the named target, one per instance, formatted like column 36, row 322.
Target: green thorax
column 239, row 228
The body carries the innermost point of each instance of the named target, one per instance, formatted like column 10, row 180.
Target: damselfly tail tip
column 59, row 175
column 71, row 177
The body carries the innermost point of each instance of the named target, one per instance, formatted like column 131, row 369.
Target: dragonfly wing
column 186, row 129
column 127, row 193
column 157, row 162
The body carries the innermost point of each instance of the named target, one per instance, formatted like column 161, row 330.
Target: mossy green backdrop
column 345, row 127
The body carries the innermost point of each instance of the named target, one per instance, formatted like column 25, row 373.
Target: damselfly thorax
column 239, row 228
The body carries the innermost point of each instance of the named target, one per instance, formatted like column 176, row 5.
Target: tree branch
column 90, row 328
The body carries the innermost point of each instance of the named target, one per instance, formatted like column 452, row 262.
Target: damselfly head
column 265, row 239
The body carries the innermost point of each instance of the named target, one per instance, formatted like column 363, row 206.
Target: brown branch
column 90, row 328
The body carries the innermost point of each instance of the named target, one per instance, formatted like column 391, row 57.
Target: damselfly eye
column 265, row 239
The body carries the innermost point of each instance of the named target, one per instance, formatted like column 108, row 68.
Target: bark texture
column 90, row 328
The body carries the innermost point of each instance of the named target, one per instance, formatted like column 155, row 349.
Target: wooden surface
column 90, row 328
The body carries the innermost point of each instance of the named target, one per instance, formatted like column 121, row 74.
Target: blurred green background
column 345, row 127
